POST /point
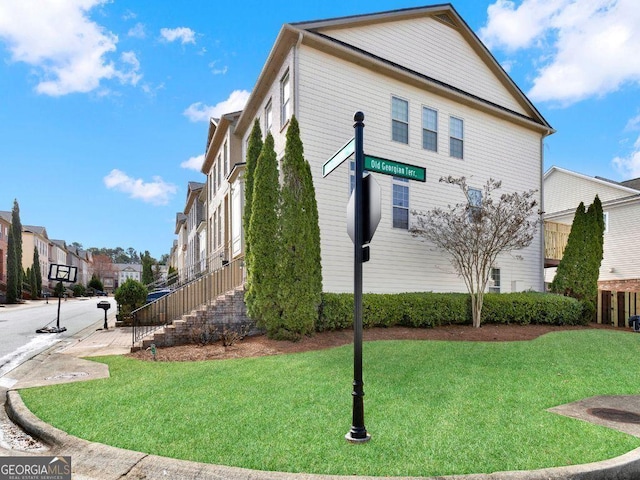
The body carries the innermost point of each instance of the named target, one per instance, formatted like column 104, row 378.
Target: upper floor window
column 268, row 117
column 285, row 99
column 400, row 203
column 605, row 216
column 456, row 137
column 429, row 129
column 399, row 120
column 225, row 152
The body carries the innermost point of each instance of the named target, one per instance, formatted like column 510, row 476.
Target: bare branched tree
column 477, row 230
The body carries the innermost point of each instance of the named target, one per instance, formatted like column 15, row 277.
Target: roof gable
column 435, row 43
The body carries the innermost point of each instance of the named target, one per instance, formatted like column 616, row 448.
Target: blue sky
column 104, row 103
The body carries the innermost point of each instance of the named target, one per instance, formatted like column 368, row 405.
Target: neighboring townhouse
column 125, row 271
column 36, row 237
column 433, row 97
column 181, row 247
column 5, row 224
column 620, row 267
column 224, row 169
column 194, row 211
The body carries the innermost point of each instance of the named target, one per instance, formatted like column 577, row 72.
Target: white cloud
column 194, row 163
column 137, row 31
column 199, row 112
column 218, row 71
column 629, row 166
column 184, row 34
column 588, row 47
column 156, row 192
column 70, row 52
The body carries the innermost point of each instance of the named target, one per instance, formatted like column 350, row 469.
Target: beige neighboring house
column 35, row 236
column 124, row 271
column 433, row 97
column 180, row 247
column 5, row 225
column 620, row 267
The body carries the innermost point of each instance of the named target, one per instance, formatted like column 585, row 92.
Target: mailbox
column 105, row 306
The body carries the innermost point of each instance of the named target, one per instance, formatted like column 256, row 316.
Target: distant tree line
column 120, row 255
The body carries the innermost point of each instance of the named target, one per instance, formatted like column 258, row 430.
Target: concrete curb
column 103, row 462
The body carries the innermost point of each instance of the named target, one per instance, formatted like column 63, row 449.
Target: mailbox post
column 105, row 306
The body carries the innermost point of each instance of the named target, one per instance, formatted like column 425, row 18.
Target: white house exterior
column 126, row 271
column 224, row 168
column 434, row 97
column 563, row 192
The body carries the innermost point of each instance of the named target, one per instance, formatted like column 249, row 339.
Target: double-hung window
column 285, row 99
column 399, row 120
column 474, row 196
column 456, row 137
column 494, row 283
column 352, row 176
column 400, row 203
column 268, row 117
column 225, row 152
column 429, row 129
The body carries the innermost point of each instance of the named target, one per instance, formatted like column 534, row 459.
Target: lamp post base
column 358, row 438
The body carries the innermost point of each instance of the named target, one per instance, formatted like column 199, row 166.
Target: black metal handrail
column 183, row 300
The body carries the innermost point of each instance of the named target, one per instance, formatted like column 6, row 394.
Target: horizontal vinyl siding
column 563, row 191
column 431, row 48
column 621, row 246
column 331, row 91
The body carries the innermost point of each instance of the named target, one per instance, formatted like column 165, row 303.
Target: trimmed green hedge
column 432, row 309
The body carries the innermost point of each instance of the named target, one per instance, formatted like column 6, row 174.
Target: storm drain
column 615, row 415
column 68, row 376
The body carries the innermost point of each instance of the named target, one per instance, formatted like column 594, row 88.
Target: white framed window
column 605, row 216
column 494, row 280
column 285, row 99
column 429, row 129
column 219, row 179
column 268, row 117
column 474, row 196
column 400, row 196
column 214, row 179
column 225, row 152
column 456, row 137
column 399, row 120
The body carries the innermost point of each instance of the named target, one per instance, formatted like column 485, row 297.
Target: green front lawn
column 432, row 408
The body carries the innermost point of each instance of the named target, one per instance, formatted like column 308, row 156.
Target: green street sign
column 397, row 169
column 340, row 156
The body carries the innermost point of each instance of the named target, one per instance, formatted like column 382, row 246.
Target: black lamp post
column 358, row 432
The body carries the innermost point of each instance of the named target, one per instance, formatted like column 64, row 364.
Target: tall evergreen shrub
column 299, row 266
column 262, row 280
column 16, row 226
column 578, row 271
column 37, row 272
column 253, row 152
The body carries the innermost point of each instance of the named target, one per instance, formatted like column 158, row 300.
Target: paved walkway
column 92, row 461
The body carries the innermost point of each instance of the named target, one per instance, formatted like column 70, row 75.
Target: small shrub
column 203, row 333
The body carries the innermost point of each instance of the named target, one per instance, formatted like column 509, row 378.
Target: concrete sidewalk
column 62, row 363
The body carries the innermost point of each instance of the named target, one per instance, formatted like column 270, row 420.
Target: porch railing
column 199, row 292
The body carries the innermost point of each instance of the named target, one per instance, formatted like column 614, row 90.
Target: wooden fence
column 555, row 240
column 615, row 308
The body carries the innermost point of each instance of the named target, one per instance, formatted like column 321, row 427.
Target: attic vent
column 443, row 17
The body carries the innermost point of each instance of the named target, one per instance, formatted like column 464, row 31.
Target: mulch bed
column 261, row 345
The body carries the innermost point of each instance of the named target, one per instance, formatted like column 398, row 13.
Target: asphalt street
column 18, row 325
